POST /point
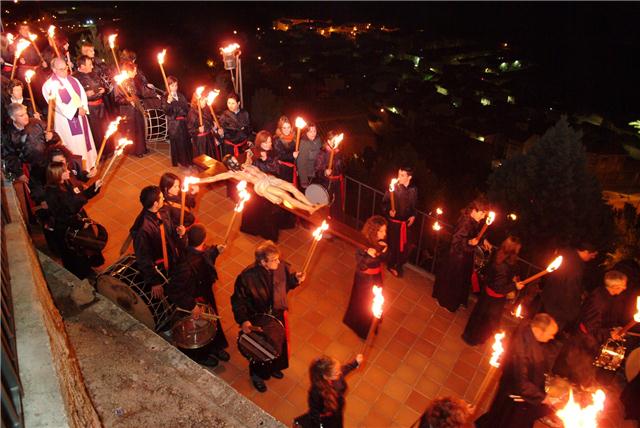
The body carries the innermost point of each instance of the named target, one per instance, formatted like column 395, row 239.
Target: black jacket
column 66, row 203
column 317, row 412
column 194, row 276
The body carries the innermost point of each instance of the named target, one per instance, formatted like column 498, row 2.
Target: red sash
column 373, row 271
column 342, row 187
column 492, row 293
column 295, row 170
column 95, row 103
column 181, row 118
column 403, row 232
column 236, row 150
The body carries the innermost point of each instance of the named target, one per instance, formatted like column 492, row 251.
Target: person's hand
column 327, row 172
column 22, row 61
column 44, row 64
column 487, row 245
column 157, row 291
column 169, row 99
column 473, row 242
column 519, row 285
column 295, row 155
column 101, row 91
column 37, row 116
column 411, row 220
column 98, row 183
column 90, row 92
column 301, row 276
column 82, row 111
column 201, row 129
column 372, row 252
column 194, row 189
column 263, row 156
column 196, row 312
column 23, row 178
column 181, row 230
column 92, row 172
column 48, row 135
column 133, row 104
column 246, row 327
column 615, row 334
column 221, row 132
column 221, row 248
column 359, row 358
column 392, row 213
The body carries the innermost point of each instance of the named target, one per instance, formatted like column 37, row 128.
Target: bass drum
column 156, row 129
column 88, row 236
column 318, row 194
column 632, row 365
column 122, row 283
column 265, row 345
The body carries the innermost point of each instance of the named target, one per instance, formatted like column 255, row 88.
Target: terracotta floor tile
column 417, row 360
column 399, row 350
column 404, row 336
column 417, row 402
column 428, row 387
column 319, row 341
column 282, row 386
column 298, row 396
column 285, row 412
column 464, row 370
column 376, row 419
column 457, row 384
column 387, row 406
column 387, row 361
column 432, row 335
column 405, row 417
column 437, row 373
column 424, row 347
column 397, row 389
column 366, row 391
column 376, row 376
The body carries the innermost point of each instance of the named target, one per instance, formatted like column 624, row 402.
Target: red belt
column 295, row 170
column 342, row 187
column 180, row 117
column 492, row 293
column 583, row 328
column 373, row 271
column 236, row 150
column 403, row 232
column 202, row 134
column 95, row 103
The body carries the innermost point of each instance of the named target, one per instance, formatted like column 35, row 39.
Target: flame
column 161, row 56
column 555, row 264
column 199, row 91
column 51, row 31
column 498, row 349
column 189, row 180
column 122, row 143
column 28, row 75
column 113, row 127
column 22, row 45
column 490, row 218
column 317, row 234
column 119, row 78
column 55, row 87
column 230, row 49
column 392, row 185
column 33, row 37
column 518, row 313
column 10, row 38
column 636, row 316
column 378, row 301
column 211, row 96
column 513, row 216
column 243, row 194
column 300, row 123
column 112, row 40
column 436, row 226
column 439, row 211
column 335, row 141
column 575, row 416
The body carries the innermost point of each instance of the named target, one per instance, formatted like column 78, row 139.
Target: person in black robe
column 259, row 217
column 521, row 397
column 598, row 322
column 501, row 280
column 453, row 280
column 326, row 396
column 29, row 58
column 284, row 145
column 561, row 295
column 176, row 107
column 94, row 87
column 358, row 316
column 262, row 289
column 331, row 178
column 192, row 282
column 148, row 94
column 236, row 128
column 127, row 96
column 171, row 187
column 202, row 137
column 105, row 73
column 151, row 231
column 65, row 201
column 400, row 220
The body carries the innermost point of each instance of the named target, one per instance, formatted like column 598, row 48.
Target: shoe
column 393, row 271
column 209, row 362
column 146, row 150
column 259, row 384
column 140, row 155
column 222, row 355
column 277, row 374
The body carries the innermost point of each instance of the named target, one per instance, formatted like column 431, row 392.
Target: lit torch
column 20, row 46
column 51, row 33
column 111, row 129
column 10, row 38
column 436, row 226
column 211, row 96
column 119, row 79
column 317, row 236
column 122, row 143
column 28, row 75
column 518, row 312
column 555, row 264
column 300, row 124
column 376, row 310
column 634, row 320
column 490, row 218
column 199, row 91
column 185, row 188
column 33, row 38
column 112, row 45
column 575, row 416
column 161, row 56
column 392, row 191
column 489, row 382
column 334, row 143
column 244, row 196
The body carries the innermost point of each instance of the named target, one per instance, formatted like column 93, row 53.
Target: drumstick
column 203, row 315
column 256, row 328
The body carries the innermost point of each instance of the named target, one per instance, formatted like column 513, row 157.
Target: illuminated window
column 441, row 90
column 485, row 101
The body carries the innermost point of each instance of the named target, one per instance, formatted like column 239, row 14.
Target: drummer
column 192, row 282
column 262, row 288
column 331, row 178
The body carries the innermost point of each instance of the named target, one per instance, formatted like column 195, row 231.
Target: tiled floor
column 417, row 355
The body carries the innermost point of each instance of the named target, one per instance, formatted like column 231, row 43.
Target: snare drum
column 123, row 284
column 89, row 236
column 317, row 194
column 262, row 346
column 191, row 333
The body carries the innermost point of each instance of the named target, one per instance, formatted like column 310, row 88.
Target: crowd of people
column 52, row 164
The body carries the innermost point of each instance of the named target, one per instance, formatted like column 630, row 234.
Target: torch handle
column 33, row 101
column 215, row 118
column 298, row 140
column 485, row 392
column 482, row 231
column 627, row 327
column 331, row 159
column 199, row 112
column 35, row 46
column 393, row 201
column 13, row 69
column 104, row 143
column 184, row 197
column 534, row 277
column 307, row 260
column 233, row 219
column 106, row 171
column 54, row 46
column 369, row 340
column 115, row 59
column 164, row 78
column 52, row 107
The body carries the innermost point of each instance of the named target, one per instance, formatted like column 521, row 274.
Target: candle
column 244, row 196
column 199, row 91
column 211, row 96
column 185, row 188
column 300, row 124
column 112, row 45
column 51, row 32
column 490, row 218
column 392, row 188
column 486, row 388
column 161, row 56
column 21, row 46
column 334, row 143
column 555, row 264
column 317, row 236
column 376, row 310
column 113, row 127
column 27, row 76
column 122, row 143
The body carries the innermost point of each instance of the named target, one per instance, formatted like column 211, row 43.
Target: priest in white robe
column 72, row 107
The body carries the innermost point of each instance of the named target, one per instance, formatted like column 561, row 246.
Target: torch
column 300, row 124
column 634, row 321
column 555, row 264
column 518, row 312
column 486, row 388
column 10, row 38
column 33, row 38
column 376, row 309
column 199, row 91
column 437, row 227
column 113, row 127
column 22, row 45
column 120, row 78
column 392, row 189
column 573, row 415
column 211, row 96
column 55, row 86
column 317, row 236
column 490, row 218
column 51, row 32
column 161, row 56
column 112, row 45
column 27, row 76
column 122, row 143
column 185, row 188
column 334, row 143
column 244, row 196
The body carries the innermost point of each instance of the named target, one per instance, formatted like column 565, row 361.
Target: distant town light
column 504, row 66
column 442, row 90
column 517, row 64
column 259, row 58
column 511, row 99
column 381, row 110
column 480, row 138
column 485, row 101
column 505, row 45
column 258, row 29
column 210, row 63
column 289, row 87
column 235, row 32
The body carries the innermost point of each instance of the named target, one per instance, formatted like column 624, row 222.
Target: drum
column 122, row 283
column 632, row 366
column 156, row 125
column 191, row 333
column 317, row 194
column 262, row 346
column 88, row 236
column 611, row 355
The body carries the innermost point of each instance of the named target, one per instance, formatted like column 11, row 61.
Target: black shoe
column 259, row 384
column 209, row 362
column 146, row 150
column 140, row 155
column 222, row 355
column 277, row 374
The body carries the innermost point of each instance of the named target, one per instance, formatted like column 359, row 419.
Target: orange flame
column 22, row 45
column 378, row 301
column 335, row 141
column 199, row 91
column 513, row 216
column 518, row 313
column 636, row 316
column 112, row 40
column 119, row 78
column 230, row 49
column 490, row 218
column 161, row 56
column 392, row 185
column 51, row 31
column 10, row 38
column 188, row 181
column 436, row 226
column 243, row 194
column 575, row 416
column 317, row 234
column 28, row 75
column 55, row 87
column 33, row 37
column 113, row 127
column 122, row 143
column 498, row 349
column 555, row 264
column 211, row 96
column 300, row 123
column 439, row 211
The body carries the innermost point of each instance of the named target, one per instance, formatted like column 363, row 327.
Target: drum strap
column 403, row 233
column 163, row 238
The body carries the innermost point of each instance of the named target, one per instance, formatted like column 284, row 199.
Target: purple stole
column 74, row 124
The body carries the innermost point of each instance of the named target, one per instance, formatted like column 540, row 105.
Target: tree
column 558, row 202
